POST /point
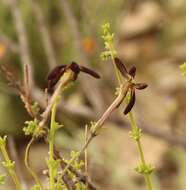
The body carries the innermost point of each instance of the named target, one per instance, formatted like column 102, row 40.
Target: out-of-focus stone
column 147, row 17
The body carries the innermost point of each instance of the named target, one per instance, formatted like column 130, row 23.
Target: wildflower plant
column 135, row 133
column 66, row 174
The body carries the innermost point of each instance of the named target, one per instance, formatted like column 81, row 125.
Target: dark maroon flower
column 129, row 75
column 58, row 71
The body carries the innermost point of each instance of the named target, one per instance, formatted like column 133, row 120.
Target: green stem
column 141, row 153
column 118, row 75
column 26, row 161
column 51, row 146
column 11, row 170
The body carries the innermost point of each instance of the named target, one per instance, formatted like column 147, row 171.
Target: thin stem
column 11, row 169
column 26, row 161
column 141, row 153
column 52, row 107
column 51, row 146
column 118, row 75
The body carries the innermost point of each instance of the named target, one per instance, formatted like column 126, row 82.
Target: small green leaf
column 183, row 68
column 35, row 107
column 33, row 129
column 9, row 164
column 144, row 169
column 135, row 133
column 2, row 179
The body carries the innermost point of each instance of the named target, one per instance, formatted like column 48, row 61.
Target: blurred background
column 149, row 34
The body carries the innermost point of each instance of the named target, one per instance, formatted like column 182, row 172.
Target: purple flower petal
column 121, row 67
column 131, row 102
column 132, row 71
column 141, row 86
column 54, row 76
column 89, row 71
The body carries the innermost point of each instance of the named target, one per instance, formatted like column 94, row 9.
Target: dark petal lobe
column 121, row 67
column 56, row 71
column 131, row 102
column 141, row 86
column 54, row 76
column 89, row 71
column 132, row 71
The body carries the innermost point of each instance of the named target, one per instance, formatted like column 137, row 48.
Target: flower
column 58, row 72
column 129, row 75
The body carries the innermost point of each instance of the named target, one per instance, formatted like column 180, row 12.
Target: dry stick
column 87, row 85
column 100, row 122
column 14, row 155
column 45, row 36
